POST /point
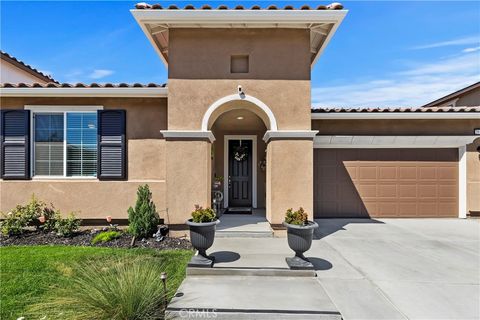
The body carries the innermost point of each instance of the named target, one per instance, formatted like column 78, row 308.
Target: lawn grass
column 27, row 274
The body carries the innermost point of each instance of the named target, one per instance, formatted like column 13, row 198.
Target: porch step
column 251, row 297
column 257, row 272
column 243, row 234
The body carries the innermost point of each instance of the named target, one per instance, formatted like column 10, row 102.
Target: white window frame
column 55, row 109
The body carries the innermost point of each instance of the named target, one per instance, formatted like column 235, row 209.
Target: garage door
column 386, row 183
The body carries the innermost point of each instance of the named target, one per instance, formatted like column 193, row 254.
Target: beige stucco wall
column 92, row 198
column 279, row 76
column 396, row 127
column 289, row 177
column 188, row 178
column 12, row 74
column 473, row 177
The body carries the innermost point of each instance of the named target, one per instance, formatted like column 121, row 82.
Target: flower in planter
column 42, row 219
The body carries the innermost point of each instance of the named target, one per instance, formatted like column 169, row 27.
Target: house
column 237, row 105
column 13, row 70
column 466, row 97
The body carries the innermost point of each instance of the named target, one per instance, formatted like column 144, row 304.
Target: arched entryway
column 238, row 123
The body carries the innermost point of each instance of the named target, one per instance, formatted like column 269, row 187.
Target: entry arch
column 247, row 102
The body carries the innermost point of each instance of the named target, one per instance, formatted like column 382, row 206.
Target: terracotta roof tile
column 81, row 85
column 29, row 68
column 332, row 6
column 396, row 109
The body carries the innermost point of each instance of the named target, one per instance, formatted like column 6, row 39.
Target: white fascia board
column 151, row 92
column 238, row 16
column 289, row 134
column 394, row 115
column 381, row 142
column 188, row 134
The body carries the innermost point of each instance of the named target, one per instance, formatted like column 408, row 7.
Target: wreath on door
column 240, row 153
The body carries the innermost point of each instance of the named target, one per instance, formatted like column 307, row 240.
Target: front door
column 240, row 173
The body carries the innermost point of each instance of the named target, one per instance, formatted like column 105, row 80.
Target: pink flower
column 41, row 219
column 109, row 219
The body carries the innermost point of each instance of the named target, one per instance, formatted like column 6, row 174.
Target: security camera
column 240, row 90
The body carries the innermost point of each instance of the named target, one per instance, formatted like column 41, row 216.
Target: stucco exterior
column 93, row 199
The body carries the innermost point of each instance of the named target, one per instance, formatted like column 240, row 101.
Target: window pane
column 81, row 144
column 48, row 145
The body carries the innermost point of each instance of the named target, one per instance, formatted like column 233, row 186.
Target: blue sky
column 385, row 53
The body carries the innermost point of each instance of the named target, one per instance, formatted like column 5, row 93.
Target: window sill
column 43, row 178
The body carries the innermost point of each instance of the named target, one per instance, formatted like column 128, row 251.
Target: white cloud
column 467, row 50
column 100, row 73
column 415, row 86
column 455, row 42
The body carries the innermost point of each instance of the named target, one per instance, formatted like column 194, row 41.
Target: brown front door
column 239, row 173
column 386, row 183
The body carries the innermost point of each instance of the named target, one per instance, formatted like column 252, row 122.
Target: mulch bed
column 84, row 238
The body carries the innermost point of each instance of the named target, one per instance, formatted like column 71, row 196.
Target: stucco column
column 188, row 177
column 289, row 177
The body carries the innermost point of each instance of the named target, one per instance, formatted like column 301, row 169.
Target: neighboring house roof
column 453, row 96
column 26, row 67
column 322, row 21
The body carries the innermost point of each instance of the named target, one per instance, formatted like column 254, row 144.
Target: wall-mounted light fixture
column 240, row 118
column 476, row 131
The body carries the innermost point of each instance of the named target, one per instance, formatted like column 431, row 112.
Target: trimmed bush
column 200, row 215
column 67, row 227
column 299, row 217
column 106, row 236
column 23, row 216
column 144, row 219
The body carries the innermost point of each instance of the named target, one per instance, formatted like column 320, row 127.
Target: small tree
column 143, row 220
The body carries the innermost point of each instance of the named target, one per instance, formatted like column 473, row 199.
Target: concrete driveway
column 381, row 269
column 400, row 268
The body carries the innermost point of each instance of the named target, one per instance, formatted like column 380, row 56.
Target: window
column 65, row 144
column 239, row 64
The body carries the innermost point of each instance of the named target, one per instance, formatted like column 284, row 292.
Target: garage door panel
column 407, row 191
column 386, row 183
column 387, row 173
column 447, row 173
column 409, row 173
column 367, row 190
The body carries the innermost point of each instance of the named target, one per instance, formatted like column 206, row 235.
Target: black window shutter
column 112, row 150
column 15, row 144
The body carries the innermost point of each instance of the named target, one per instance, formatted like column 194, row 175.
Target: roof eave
column 196, row 18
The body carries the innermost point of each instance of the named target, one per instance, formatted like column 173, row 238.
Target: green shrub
column 143, row 220
column 106, row 236
column 299, row 217
column 51, row 217
column 123, row 288
column 200, row 215
column 67, row 227
column 22, row 216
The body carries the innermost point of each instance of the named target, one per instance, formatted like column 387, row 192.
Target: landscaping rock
column 85, row 237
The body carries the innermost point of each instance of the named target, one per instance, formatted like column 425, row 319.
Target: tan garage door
column 386, row 183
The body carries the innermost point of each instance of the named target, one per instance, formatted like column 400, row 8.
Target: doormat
column 246, row 210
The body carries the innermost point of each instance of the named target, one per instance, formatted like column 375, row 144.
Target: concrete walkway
column 371, row 269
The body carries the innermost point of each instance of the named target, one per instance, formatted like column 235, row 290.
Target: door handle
column 229, row 182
